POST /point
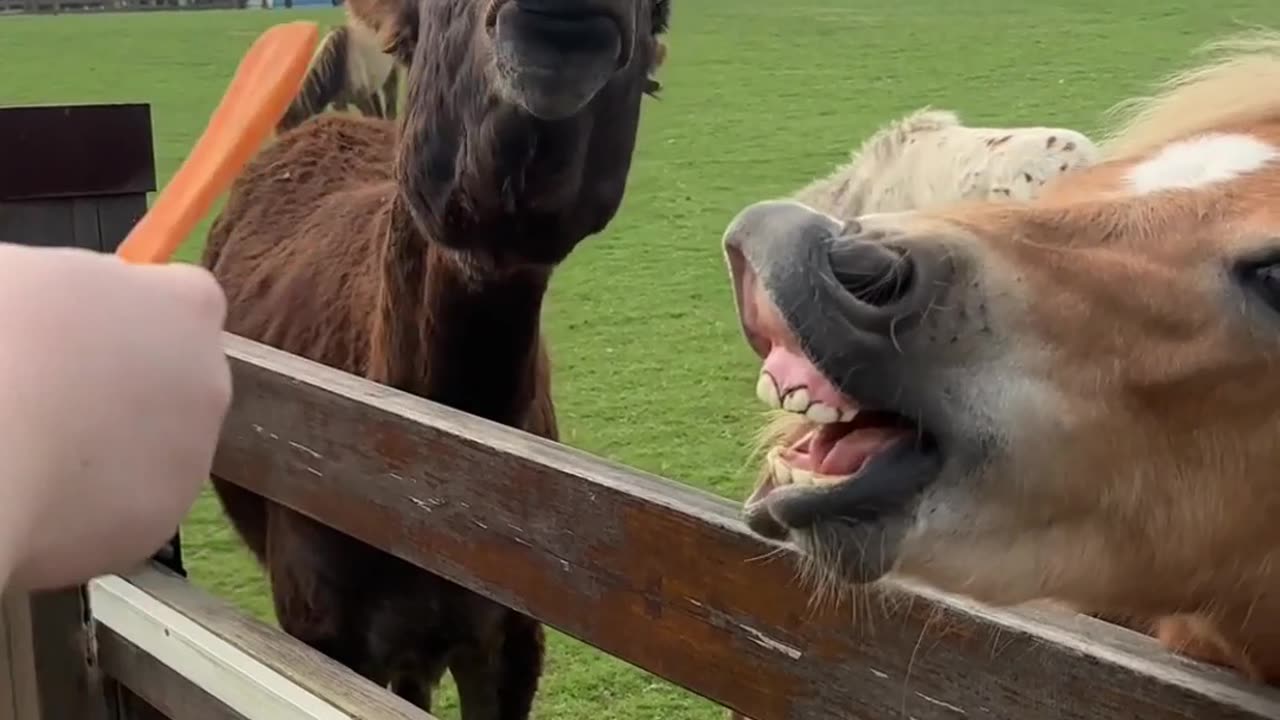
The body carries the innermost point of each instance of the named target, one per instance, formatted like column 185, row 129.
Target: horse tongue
column 839, row 451
column 791, row 370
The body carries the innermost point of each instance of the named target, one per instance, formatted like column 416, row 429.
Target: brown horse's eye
column 1260, row 275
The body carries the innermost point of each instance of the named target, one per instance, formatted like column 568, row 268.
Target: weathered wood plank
column 117, row 214
column 19, row 691
column 48, row 657
column 666, row 577
column 70, row 684
column 138, row 674
column 39, row 223
column 261, row 672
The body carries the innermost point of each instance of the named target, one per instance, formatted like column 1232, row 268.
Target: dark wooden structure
column 644, row 568
column 77, row 176
column 72, row 176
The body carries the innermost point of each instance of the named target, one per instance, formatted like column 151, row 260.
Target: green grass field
column 760, row 96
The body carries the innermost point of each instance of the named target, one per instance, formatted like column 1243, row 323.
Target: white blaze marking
column 1200, row 161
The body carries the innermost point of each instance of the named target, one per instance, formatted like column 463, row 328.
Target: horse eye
column 1261, row 276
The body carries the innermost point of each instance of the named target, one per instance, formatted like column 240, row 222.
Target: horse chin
column 552, row 64
column 849, row 528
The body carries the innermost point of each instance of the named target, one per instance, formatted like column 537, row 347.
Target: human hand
column 113, row 388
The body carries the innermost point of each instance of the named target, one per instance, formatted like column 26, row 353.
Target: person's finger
column 194, row 287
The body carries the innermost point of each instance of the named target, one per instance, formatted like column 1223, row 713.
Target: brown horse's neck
column 456, row 332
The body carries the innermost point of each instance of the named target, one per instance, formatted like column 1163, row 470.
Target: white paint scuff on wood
column 221, row 669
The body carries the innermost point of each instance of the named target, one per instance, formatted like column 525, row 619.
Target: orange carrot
column 265, row 83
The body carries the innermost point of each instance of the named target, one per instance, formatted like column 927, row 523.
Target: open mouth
column 851, row 462
column 876, row 452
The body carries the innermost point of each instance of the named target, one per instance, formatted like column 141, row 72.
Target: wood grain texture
column 668, row 578
column 300, row 664
column 48, row 665
column 142, row 688
column 19, row 691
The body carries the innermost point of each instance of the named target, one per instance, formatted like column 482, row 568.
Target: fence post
column 73, row 176
column 48, row 653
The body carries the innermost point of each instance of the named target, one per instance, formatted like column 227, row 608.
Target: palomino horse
column 926, row 159
column 1072, row 399
column 419, row 257
column 349, row 68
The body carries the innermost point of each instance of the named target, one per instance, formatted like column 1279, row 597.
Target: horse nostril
column 875, row 274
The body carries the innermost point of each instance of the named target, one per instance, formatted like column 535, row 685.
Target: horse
column 350, row 67
column 417, row 254
column 929, row 158
column 1071, row 399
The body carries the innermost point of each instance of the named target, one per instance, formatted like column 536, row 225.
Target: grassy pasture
column 760, row 96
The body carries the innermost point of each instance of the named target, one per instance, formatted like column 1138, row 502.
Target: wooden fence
column 645, row 569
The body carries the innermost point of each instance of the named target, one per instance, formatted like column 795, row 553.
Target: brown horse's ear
column 394, row 22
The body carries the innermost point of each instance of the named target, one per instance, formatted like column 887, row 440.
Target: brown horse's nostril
column 874, row 274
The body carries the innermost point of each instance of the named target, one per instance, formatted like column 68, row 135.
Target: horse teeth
column 796, row 401
column 848, row 415
column 801, row 477
column 820, row 479
column 767, row 391
column 822, row 413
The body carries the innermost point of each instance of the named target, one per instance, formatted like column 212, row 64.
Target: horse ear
column 651, row 86
column 393, row 22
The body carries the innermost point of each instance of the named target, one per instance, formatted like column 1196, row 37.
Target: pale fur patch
column 1200, row 161
column 929, row 157
column 367, row 65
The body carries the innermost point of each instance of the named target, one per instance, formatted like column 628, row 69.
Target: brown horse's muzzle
column 555, row 55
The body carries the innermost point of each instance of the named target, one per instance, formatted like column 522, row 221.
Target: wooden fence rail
column 646, row 569
column 194, row 657
column 668, row 578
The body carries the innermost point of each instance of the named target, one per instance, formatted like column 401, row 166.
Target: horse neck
column 455, row 332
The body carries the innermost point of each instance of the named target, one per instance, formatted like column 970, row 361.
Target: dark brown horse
column 418, row 255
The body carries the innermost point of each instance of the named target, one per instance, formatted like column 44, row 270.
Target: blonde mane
column 1225, row 91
